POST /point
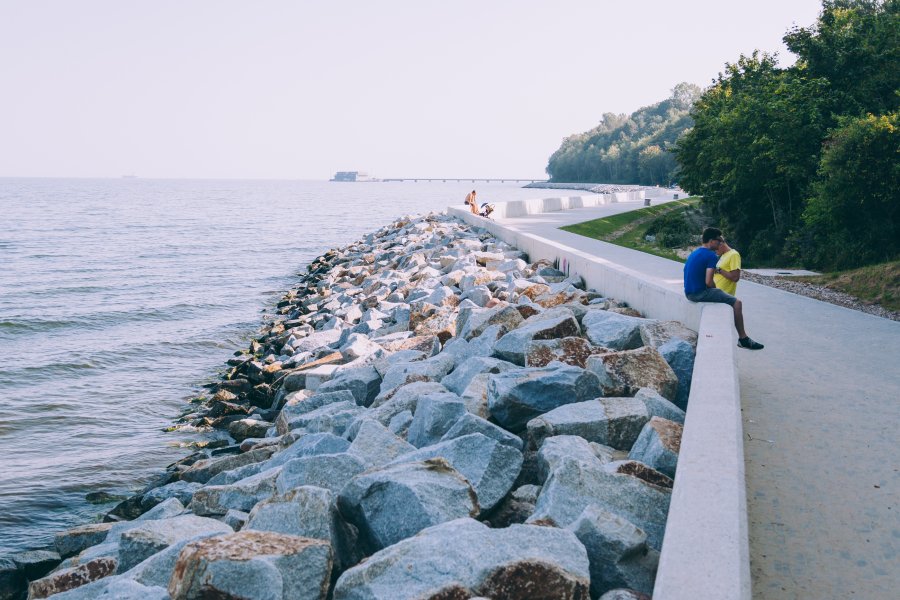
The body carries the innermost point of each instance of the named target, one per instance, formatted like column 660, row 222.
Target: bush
column 673, row 230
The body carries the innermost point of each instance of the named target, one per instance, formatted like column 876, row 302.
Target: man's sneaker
column 749, row 344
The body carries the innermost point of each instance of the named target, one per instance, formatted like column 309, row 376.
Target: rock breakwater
column 429, row 416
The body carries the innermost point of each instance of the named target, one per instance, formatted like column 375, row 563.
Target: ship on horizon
column 353, row 176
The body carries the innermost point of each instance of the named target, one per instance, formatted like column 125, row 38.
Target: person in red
column 700, row 287
column 470, row 200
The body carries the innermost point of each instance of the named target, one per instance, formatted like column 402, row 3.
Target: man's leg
column 739, row 318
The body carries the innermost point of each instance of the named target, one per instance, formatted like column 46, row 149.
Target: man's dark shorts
column 712, row 295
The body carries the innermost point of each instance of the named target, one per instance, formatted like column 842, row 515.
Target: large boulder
column 430, row 369
column 490, row 466
column 512, row 346
column 71, row 578
column 629, row 489
column 557, row 449
column 363, row 382
column 331, row 418
column 183, row 490
column 311, row 512
column 680, row 356
column 615, row 422
column 612, row 330
column 73, row 541
column 569, row 350
column 466, row 559
column 397, row 501
column 617, row 551
column 310, row 444
column 375, row 445
column 204, row 470
column 253, row 565
column 300, row 403
column 472, row 322
column 623, row 373
column 435, row 415
column 658, row 445
column 242, row 495
column 515, row 397
column 659, row 333
column 658, row 406
column 151, row 537
column 467, row 369
column 469, row 423
column 329, row 471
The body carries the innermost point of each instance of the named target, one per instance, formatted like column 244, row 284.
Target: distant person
column 700, row 287
column 486, row 210
column 473, row 204
column 728, row 269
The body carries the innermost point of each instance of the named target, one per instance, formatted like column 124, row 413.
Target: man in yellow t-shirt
column 728, row 269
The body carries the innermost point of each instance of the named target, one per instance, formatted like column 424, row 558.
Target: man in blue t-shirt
column 699, row 286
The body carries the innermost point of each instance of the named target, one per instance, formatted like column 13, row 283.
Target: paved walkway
column 821, row 408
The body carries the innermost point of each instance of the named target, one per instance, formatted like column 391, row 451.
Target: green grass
column 875, row 284
column 628, row 229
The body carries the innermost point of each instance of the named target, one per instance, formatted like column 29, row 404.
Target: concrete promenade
column 821, row 417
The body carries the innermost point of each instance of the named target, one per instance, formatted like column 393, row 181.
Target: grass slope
column 875, row 284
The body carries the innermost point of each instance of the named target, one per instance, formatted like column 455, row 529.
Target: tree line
column 628, row 149
column 801, row 163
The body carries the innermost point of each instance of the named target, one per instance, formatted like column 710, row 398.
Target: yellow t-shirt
column 729, row 261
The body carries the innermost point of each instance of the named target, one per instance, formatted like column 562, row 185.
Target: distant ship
column 353, row 176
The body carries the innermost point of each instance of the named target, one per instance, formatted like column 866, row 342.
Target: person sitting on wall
column 700, row 287
column 486, row 210
column 728, row 269
column 470, row 200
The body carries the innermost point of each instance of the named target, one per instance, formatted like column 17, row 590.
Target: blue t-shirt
column 695, row 268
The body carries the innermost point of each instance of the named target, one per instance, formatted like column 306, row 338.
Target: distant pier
column 475, row 180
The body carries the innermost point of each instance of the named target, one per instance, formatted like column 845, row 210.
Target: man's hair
column 711, row 233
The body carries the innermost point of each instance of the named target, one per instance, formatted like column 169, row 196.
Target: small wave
column 104, row 319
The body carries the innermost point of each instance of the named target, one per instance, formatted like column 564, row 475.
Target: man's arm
column 730, row 275
column 709, row 278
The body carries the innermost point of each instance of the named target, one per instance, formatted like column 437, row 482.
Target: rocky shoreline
column 594, row 188
column 428, row 416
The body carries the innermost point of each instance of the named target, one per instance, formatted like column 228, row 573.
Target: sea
column 120, row 298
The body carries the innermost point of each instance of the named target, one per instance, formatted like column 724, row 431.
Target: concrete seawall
column 705, row 551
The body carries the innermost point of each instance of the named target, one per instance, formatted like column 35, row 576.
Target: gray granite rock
column 363, row 382
column 115, row 588
column 375, row 445
column 612, row 330
column 512, row 346
column 554, row 450
column 517, row 396
column 490, row 466
column 329, row 471
column 435, row 415
column 430, row 369
column 242, row 495
column 33, row 564
column 12, row 580
column 658, row 445
column 626, row 488
column 73, row 541
column 183, row 490
column 615, row 422
column 465, row 559
column 624, row 373
column 397, row 501
column 471, row 323
column 311, row 512
column 399, row 423
column 467, row 369
column 300, row 403
column 469, row 423
column 253, row 565
column 680, row 356
column 68, row 579
column 617, row 551
column 659, row 333
column 310, row 444
column 332, row 418
column 164, row 510
column 236, row 519
column 569, row 350
column 142, row 542
column 484, row 344
column 204, row 470
column 658, row 406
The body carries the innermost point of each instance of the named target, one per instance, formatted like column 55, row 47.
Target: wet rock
column 77, row 539
column 363, row 382
column 617, row 551
column 328, row 471
column 68, row 579
column 375, row 445
column 310, row 444
column 467, row 369
column 465, row 559
column 469, row 423
column 183, row 490
column 142, row 542
column 435, row 415
column 489, row 466
column 204, row 470
column 624, row 373
column 34, row 564
column 243, row 495
column 680, row 356
column 171, row 507
column 248, row 428
column 519, row 395
column 615, row 422
column 253, row 565
column 626, row 488
column 397, row 501
column 512, row 346
column 12, row 580
column 569, row 350
column 115, row 588
column 658, row 445
column 612, row 330
column 311, row 512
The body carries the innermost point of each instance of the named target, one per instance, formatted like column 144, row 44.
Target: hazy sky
column 300, row 89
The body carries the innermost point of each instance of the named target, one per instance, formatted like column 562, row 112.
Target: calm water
column 120, row 298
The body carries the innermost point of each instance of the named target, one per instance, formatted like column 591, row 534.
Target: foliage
column 878, row 284
column 756, row 150
column 628, row 149
column 673, row 230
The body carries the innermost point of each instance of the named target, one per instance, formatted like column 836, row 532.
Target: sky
column 300, row 89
